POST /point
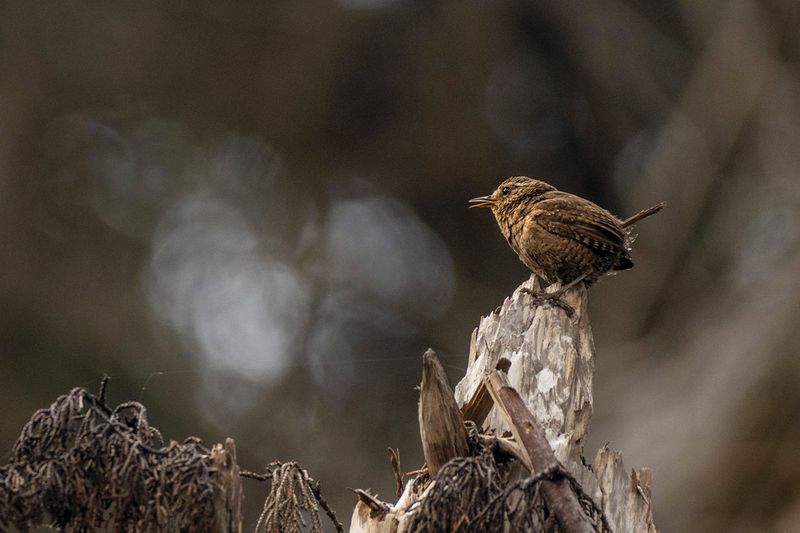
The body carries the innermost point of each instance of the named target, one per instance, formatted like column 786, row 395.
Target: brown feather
column 560, row 236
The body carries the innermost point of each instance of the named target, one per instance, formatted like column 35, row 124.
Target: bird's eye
column 505, row 190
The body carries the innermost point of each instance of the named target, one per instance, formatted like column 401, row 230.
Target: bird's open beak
column 481, row 201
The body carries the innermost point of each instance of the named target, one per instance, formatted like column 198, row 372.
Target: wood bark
column 441, row 426
column 552, row 363
column 538, row 454
column 228, row 492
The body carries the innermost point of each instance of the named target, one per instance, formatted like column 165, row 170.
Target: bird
column 560, row 236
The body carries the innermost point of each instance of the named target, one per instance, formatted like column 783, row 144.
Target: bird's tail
column 644, row 213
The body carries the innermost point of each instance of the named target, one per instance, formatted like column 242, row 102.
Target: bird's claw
column 550, row 298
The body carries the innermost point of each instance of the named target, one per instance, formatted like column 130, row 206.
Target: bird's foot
column 550, row 298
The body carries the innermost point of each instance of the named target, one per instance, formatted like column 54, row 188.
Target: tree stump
column 551, row 359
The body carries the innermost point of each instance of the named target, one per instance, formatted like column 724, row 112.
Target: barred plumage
column 560, row 236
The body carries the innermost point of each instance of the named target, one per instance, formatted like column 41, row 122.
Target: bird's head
column 511, row 192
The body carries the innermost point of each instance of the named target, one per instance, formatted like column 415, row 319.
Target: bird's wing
column 574, row 218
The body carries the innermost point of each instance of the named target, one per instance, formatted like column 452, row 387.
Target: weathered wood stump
column 551, row 359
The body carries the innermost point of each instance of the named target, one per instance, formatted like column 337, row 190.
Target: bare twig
column 559, row 494
column 394, row 458
column 101, row 396
column 377, row 508
column 317, row 490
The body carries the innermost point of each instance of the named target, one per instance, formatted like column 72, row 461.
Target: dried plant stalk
column 80, row 465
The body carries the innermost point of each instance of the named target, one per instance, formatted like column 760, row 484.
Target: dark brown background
column 266, row 203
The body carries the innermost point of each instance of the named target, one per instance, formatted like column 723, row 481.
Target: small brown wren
column 559, row 236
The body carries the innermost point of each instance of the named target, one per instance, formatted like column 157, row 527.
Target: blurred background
column 253, row 216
